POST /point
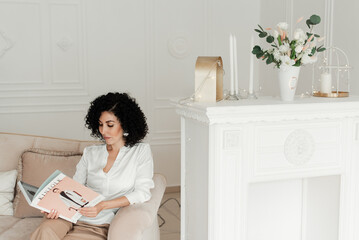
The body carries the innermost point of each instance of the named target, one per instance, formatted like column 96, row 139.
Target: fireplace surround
column 301, row 157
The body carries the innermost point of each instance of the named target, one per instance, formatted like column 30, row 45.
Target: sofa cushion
column 7, row 222
column 35, row 166
column 19, row 229
column 7, row 185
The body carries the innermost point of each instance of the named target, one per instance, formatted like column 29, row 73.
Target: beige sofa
column 133, row 222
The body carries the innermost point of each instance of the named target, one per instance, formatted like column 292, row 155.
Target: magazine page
column 28, row 190
column 48, row 180
column 67, row 196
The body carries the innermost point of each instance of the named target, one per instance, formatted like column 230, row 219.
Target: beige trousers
column 57, row 229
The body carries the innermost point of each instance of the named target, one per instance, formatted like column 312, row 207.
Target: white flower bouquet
column 302, row 49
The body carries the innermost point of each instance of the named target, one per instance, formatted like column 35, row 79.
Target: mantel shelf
column 268, row 109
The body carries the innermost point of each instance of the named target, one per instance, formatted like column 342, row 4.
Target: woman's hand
column 92, row 211
column 53, row 214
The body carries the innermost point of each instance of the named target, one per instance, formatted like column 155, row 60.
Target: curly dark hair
column 127, row 111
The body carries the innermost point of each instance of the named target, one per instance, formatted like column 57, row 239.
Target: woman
column 121, row 170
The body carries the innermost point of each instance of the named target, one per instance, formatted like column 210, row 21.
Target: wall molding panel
column 43, row 108
column 165, row 130
column 5, row 43
column 55, row 53
column 179, row 45
column 149, row 6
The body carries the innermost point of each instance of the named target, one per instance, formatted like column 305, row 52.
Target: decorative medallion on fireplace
column 299, row 147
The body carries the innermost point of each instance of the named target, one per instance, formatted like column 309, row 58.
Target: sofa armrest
column 131, row 221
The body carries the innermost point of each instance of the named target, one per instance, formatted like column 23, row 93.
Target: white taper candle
column 231, row 64
column 235, row 63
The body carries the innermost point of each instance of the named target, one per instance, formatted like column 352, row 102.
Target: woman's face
column 110, row 128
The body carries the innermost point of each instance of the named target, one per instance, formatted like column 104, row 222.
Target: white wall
column 56, row 56
column 345, row 34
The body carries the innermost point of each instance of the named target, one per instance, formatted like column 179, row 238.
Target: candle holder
column 329, row 79
column 252, row 96
column 232, row 97
column 242, row 93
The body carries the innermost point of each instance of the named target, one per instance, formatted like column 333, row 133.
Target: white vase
column 288, row 81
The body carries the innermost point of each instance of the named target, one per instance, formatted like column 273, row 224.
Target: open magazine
column 61, row 193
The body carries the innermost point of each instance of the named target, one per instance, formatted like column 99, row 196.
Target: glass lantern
column 331, row 74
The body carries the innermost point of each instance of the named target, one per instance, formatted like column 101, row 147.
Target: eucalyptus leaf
column 308, row 22
column 260, row 54
column 270, row 39
column 321, row 48
column 269, row 61
column 316, row 35
column 297, row 63
column 263, row 34
column 315, row 19
column 313, row 50
column 256, row 49
column 257, row 30
column 260, row 27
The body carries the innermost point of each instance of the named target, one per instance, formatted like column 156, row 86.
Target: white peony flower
column 284, row 48
column 275, row 34
column 283, row 25
column 276, row 55
column 287, row 61
column 298, row 48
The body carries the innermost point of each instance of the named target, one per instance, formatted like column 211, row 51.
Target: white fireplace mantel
column 239, row 156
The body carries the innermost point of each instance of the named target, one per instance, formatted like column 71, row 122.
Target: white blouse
column 130, row 176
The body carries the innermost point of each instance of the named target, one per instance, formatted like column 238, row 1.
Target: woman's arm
column 114, row 203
